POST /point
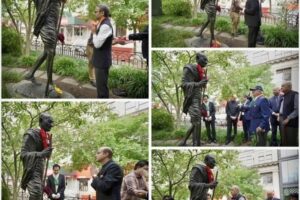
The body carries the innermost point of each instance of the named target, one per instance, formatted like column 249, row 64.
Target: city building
column 278, row 169
column 284, row 65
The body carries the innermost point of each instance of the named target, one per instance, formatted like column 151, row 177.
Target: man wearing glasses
column 102, row 58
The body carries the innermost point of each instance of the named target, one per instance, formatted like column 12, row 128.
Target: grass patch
column 9, row 77
column 169, row 37
column 180, row 133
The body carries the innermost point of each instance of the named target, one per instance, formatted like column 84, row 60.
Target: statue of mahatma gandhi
column 46, row 25
column 194, row 81
column 36, row 148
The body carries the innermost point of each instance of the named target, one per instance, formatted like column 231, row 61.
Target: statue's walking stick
column 50, row 67
column 213, row 194
column 47, row 162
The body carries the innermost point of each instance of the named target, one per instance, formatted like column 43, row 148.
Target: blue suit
column 274, row 103
column 260, row 114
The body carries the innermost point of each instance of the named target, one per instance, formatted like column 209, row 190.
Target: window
column 290, row 171
column 286, row 74
column 267, row 178
column 83, row 185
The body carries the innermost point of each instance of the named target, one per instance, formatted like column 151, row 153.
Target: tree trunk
column 28, row 41
column 195, row 8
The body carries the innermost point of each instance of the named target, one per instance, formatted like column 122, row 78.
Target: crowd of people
column 259, row 115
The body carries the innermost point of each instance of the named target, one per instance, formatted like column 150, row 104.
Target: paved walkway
column 68, row 84
column 226, row 38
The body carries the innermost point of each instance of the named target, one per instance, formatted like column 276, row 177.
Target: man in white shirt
column 56, row 184
column 102, row 55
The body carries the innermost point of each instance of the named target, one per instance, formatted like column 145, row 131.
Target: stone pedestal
column 200, row 42
column 26, row 89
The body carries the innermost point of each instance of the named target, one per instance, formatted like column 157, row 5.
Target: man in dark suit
column 270, row 195
column 208, row 112
column 102, row 58
column 245, row 117
column 108, row 181
column 232, row 112
column 274, row 106
column 260, row 114
column 289, row 115
column 253, row 20
column 56, row 184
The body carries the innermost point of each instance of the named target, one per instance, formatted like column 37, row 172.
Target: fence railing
column 119, row 57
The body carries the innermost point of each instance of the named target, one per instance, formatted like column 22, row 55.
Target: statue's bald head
column 201, row 59
column 46, row 121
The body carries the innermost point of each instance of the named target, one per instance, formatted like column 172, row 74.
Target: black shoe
column 227, row 142
column 199, row 35
column 93, row 83
column 214, row 141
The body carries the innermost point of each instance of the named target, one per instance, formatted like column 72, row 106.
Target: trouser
column 246, row 126
column 196, row 133
column 89, row 53
column 274, row 125
column 289, row 134
column 261, row 138
column 231, row 123
column 101, row 83
column 211, row 133
column 252, row 35
column 235, row 18
column 211, row 19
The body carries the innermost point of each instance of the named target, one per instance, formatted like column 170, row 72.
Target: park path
column 68, row 84
column 223, row 37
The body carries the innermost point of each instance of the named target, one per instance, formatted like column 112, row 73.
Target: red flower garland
column 46, row 137
column 210, row 174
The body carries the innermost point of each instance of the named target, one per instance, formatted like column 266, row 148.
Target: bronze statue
column 211, row 9
column 35, row 149
column 202, row 178
column 194, row 80
column 47, row 26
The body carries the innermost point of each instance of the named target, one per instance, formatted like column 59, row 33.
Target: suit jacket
column 232, row 109
column 108, row 182
column 61, row 186
column 260, row 114
column 211, row 109
column 253, row 13
column 274, row 103
column 246, row 109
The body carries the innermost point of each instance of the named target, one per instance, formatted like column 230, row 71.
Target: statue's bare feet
column 182, row 143
column 31, row 78
column 199, row 35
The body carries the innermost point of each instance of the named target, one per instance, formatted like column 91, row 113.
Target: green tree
column 20, row 13
column 171, row 170
column 80, row 128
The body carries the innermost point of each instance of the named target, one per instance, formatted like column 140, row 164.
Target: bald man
column 108, row 181
column 270, row 195
column 274, row 106
column 288, row 115
column 235, row 193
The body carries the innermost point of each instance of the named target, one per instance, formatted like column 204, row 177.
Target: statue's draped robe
column 33, row 165
column 192, row 92
column 198, row 180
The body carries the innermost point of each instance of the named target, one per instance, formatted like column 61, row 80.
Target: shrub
column 133, row 81
column 278, row 36
column 66, row 66
column 243, row 29
column 8, row 60
column 28, row 61
column 223, row 25
column 11, row 41
column 198, row 21
column 162, row 120
column 177, row 8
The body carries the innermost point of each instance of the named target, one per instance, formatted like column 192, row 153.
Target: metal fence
column 134, row 59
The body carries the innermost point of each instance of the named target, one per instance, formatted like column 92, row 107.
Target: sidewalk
column 68, row 84
column 226, row 38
